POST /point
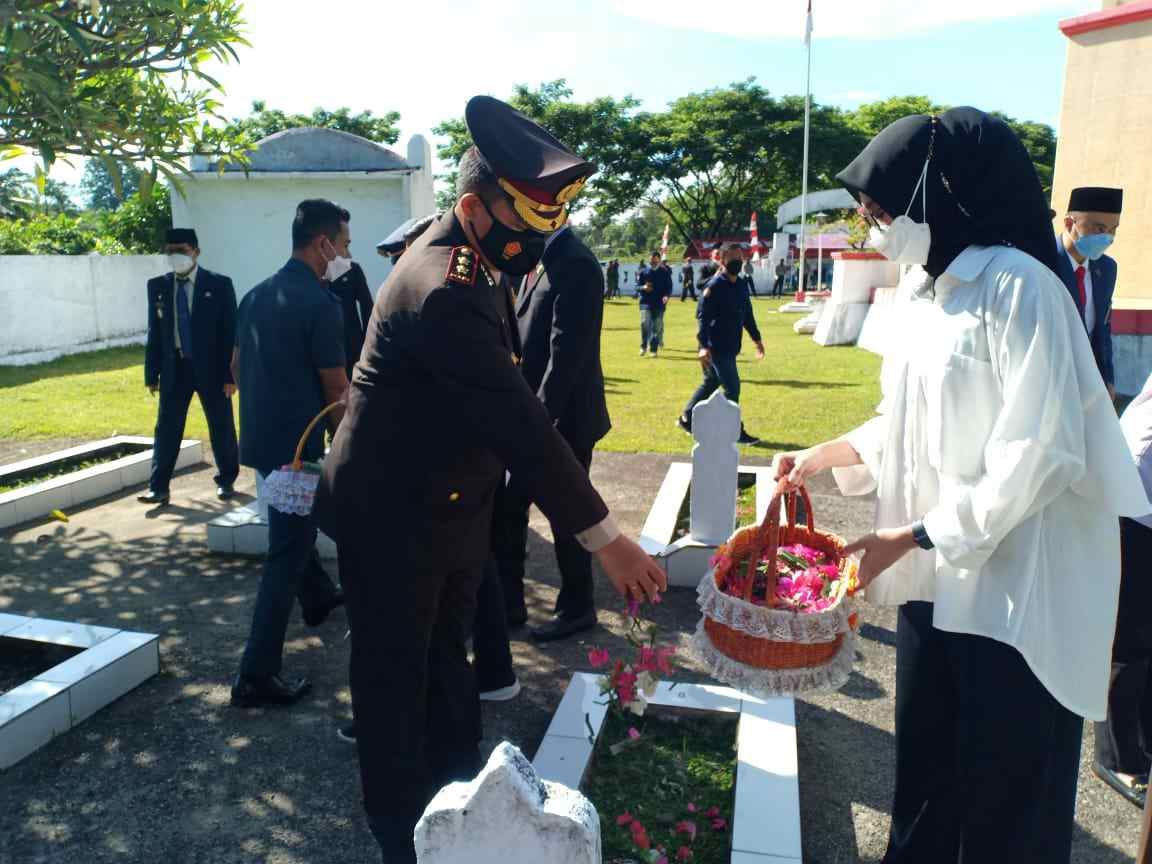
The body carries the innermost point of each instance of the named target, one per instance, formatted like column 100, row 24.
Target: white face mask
column 181, row 264
column 337, row 267
column 905, row 241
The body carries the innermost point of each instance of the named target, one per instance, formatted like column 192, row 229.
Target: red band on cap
column 540, row 196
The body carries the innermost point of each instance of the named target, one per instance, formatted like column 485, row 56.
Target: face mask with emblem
column 513, row 252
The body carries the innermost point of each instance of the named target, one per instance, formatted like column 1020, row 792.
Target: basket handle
column 308, row 431
column 769, row 534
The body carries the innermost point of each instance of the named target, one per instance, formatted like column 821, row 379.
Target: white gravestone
column 715, row 464
column 508, row 815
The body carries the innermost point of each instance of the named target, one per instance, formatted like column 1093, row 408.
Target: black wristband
column 920, row 536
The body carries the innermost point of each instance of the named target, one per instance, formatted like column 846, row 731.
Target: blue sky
column 425, row 59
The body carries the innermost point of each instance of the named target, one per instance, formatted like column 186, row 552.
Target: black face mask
column 734, row 268
column 513, row 252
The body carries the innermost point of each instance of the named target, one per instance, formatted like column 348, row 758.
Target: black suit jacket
column 560, row 311
column 437, row 411
column 213, row 330
column 1103, row 271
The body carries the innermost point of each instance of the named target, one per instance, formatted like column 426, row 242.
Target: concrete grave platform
column 112, row 663
column 766, row 816
column 77, row 488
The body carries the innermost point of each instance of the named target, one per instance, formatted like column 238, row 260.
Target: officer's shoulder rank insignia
column 462, row 265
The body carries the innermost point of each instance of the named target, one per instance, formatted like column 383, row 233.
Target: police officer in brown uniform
column 437, row 413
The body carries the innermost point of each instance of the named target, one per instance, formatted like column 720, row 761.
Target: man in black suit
column 191, row 328
column 559, row 315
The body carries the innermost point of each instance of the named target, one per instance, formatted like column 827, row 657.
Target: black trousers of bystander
column 1124, row 739
column 986, row 758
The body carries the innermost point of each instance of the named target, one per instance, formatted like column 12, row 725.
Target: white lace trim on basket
column 774, row 682
column 779, row 625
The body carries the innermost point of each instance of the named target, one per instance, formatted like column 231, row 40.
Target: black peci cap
column 181, row 235
column 538, row 172
column 1096, row 199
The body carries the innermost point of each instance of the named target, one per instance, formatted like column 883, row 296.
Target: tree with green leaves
column 121, row 81
column 265, row 121
column 99, row 189
column 20, row 198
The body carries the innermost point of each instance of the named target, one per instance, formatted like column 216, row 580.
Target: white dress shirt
column 996, row 430
column 191, row 289
column 1089, row 303
column 1137, row 426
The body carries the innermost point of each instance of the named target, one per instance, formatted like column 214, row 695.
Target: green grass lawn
column 799, row 394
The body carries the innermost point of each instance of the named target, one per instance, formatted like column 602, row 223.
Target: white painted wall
column 245, row 224
column 61, row 304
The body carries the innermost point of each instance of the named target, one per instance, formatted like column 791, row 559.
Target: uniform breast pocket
column 963, row 400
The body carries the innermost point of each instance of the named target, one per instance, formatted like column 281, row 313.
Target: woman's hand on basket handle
column 881, row 550
column 632, row 571
column 798, row 466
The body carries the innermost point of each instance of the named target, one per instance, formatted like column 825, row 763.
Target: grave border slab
column 112, row 663
column 78, row 488
column 766, row 817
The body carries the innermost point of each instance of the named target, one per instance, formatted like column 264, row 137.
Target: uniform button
column 455, row 496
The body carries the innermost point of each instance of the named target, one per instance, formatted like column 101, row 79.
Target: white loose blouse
column 996, row 429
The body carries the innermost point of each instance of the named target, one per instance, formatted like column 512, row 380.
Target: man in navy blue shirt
column 655, row 289
column 725, row 310
column 289, row 364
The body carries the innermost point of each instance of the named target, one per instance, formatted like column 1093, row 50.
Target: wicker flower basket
column 767, row 650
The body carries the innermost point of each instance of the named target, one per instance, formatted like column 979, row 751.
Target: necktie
column 1080, row 287
column 183, row 317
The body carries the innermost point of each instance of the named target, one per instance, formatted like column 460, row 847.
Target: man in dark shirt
column 687, row 280
column 289, row 365
column 724, row 311
column 655, row 289
column 750, row 277
column 346, row 280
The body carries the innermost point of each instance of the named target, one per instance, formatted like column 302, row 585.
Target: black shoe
column 347, row 734
column 158, row 499
column 318, row 615
column 254, row 692
column 1134, row 792
column 747, row 437
column 684, row 423
column 563, row 626
column 225, row 491
column 516, row 617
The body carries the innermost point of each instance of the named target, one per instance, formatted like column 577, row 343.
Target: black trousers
column 413, row 692
column 687, row 288
column 175, row 397
column 1124, row 739
column 986, row 759
column 510, row 548
column 778, row 287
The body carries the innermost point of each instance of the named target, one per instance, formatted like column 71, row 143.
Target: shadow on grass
column 796, row 385
column 109, row 360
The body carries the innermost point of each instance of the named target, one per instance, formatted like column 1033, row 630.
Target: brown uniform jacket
column 437, row 412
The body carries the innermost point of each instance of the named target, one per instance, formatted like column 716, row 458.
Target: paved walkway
column 170, row 772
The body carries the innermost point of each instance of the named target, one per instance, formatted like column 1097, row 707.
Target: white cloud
column 844, row 19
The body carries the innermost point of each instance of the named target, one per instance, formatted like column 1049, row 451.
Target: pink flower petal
column 624, row 818
column 633, row 732
column 691, row 807
column 719, row 824
column 712, row 812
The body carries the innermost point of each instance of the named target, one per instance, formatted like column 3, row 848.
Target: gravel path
column 171, row 773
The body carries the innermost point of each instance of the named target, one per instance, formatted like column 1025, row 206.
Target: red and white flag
column 755, row 240
column 664, row 243
column 808, row 25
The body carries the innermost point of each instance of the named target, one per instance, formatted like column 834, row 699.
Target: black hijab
column 982, row 185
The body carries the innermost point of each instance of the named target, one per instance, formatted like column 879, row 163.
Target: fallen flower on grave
column 683, row 854
column 719, row 824
column 624, row 818
column 691, row 807
column 712, row 812
column 633, row 733
column 687, row 827
column 599, row 657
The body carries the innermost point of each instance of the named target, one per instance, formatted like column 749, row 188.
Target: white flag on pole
column 808, row 25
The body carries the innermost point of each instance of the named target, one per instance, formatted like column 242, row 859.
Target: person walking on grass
column 724, row 312
column 655, row 289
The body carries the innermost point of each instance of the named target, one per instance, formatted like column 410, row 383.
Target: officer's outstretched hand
column 632, row 571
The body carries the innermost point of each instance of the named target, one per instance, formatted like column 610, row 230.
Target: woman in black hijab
column 999, row 470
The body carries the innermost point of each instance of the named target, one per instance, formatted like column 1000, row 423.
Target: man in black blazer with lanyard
column 191, row 330
column 559, row 313
column 1090, row 275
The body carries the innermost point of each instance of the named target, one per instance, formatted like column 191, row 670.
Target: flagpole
column 804, row 179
